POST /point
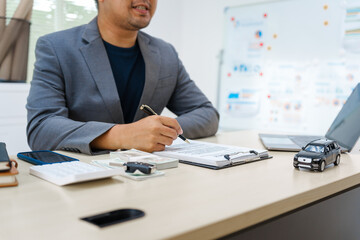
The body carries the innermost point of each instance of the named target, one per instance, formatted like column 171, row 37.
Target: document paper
column 211, row 153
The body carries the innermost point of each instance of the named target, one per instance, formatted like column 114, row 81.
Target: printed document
column 211, row 154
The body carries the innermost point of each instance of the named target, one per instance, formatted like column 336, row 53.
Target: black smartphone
column 4, row 158
column 44, row 157
column 117, row 216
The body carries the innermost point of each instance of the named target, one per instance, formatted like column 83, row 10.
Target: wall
column 195, row 28
column 167, row 22
column 13, row 116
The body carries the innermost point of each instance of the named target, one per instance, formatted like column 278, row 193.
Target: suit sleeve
column 49, row 127
column 196, row 115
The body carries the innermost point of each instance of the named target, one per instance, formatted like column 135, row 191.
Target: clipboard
column 212, row 155
column 232, row 164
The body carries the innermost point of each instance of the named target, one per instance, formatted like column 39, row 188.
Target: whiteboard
column 288, row 66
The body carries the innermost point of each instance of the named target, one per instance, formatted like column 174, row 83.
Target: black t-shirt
column 128, row 68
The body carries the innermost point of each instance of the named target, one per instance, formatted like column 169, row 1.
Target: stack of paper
column 211, row 154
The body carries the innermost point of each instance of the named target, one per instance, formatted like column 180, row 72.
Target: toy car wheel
column 337, row 161
column 295, row 166
column 322, row 166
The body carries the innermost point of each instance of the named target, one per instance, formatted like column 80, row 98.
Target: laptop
column 345, row 129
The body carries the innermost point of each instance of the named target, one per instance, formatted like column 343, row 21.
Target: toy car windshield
column 314, row 148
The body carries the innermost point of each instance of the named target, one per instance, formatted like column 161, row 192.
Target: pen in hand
column 150, row 112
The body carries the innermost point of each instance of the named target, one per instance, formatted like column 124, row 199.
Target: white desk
column 187, row 203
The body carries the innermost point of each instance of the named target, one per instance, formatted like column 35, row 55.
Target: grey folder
column 345, row 129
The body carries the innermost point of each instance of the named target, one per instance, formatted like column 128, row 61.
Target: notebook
column 211, row 155
column 345, row 129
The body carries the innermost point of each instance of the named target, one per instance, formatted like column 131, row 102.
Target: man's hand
column 148, row 134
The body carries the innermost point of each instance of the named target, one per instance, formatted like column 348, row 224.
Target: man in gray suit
column 89, row 82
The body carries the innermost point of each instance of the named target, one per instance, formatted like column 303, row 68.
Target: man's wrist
column 113, row 139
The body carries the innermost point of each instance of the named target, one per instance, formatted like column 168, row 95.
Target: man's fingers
column 164, row 140
column 169, row 132
column 157, row 148
column 152, row 148
column 154, row 133
column 171, row 123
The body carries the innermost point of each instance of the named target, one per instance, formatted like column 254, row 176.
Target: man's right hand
column 149, row 134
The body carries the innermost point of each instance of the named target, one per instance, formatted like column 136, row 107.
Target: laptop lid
column 345, row 129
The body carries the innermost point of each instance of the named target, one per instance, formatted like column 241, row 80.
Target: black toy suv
column 318, row 154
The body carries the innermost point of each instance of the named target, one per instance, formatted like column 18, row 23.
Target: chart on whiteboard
column 288, row 65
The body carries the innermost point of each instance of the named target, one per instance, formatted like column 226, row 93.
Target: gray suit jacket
column 73, row 97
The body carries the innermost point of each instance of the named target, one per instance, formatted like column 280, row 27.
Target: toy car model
column 318, row 154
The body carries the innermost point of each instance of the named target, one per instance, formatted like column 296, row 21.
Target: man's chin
column 139, row 24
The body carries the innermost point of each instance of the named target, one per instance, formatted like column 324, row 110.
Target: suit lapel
column 95, row 56
column 152, row 61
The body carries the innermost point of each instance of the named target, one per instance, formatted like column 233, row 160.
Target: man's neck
column 115, row 35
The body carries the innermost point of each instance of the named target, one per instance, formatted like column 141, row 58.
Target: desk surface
column 187, row 203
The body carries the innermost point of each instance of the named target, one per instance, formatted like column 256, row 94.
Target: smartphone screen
column 44, row 157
